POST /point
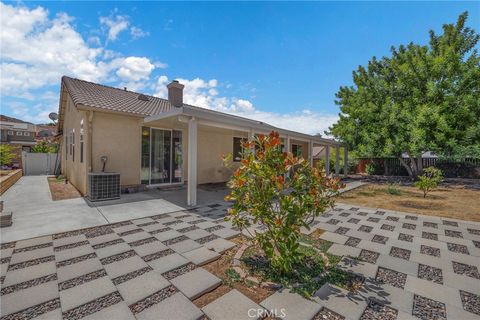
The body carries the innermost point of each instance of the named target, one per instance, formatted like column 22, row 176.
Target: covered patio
column 207, row 135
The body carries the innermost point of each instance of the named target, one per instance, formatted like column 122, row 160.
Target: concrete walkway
column 36, row 214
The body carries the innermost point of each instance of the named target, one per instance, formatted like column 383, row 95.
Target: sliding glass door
column 162, row 159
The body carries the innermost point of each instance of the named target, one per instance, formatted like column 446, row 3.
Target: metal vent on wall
column 103, row 186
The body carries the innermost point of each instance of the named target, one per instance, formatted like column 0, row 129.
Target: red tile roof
column 100, row 96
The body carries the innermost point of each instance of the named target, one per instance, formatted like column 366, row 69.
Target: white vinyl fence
column 39, row 163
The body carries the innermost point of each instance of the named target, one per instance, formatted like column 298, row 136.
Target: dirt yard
column 446, row 201
column 61, row 190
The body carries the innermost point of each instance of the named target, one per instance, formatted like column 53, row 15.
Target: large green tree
column 421, row 98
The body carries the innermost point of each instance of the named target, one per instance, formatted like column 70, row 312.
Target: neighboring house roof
column 11, row 119
column 113, row 99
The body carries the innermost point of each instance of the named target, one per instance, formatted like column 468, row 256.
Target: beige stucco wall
column 119, row 138
column 212, row 144
column 72, row 168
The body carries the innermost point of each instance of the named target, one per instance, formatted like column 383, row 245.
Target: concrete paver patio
column 415, row 267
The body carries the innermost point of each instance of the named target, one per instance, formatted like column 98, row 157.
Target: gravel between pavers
column 429, row 235
column 379, row 239
column 453, row 234
column 352, row 241
column 35, row 247
column 476, row 243
column 391, row 218
column 117, row 257
column 411, row 217
column 169, row 275
column 333, row 221
column 34, row 311
column 344, row 214
column 470, row 301
column 342, row 230
column 430, row 224
column 430, row 273
column 459, row 248
column 92, row 306
column 152, row 299
column 431, row 251
column 327, row 314
column 206, row 239
column 71, row 245
column 107, row 244
column 378, row 311
column 30, row 263
column 405, row 237
column 474, row 231
column 75, row 260
column 372, row 219
column 157, row 255
column 142, row 242
column 214, row 228
column 450, row 223
column 365, row 228
column 190, row 228
column 28, row 284
column 387, row 227
column 174, row 240
column 391, row 277
column 409, row 226
column 131, row 275
column 82, row 279
column 353, row 220
column 428, row 309
column 400, row 253
column 461, row 268
column 160, row 230
column 368, row 256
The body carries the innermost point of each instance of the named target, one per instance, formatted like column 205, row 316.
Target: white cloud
column 202, row 93
column 134, row 68
column 37, row 51
column 136, row 32
column 115, row 25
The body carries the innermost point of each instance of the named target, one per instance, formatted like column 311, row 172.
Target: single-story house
column 155, row 142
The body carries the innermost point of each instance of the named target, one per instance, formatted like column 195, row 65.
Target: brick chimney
column 175, row 93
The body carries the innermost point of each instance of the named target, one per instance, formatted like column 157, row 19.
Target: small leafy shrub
column 6, row 154
column 45, row 147
column 306, row 279
column 429, row 180
column 232, row 274
column 393, row 189
column 281, row 193
column 371, row 169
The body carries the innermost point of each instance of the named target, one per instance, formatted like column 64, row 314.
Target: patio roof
column 229, row 121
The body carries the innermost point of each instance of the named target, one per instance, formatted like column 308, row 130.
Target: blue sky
column 277, row 62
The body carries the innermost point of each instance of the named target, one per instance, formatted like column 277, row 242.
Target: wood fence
column 466, row 168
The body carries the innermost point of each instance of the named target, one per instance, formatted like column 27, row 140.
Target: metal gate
column 39, row 163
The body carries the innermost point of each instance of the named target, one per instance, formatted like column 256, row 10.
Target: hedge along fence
column 467, row 168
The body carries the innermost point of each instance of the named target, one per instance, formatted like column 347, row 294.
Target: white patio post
column 192, row 162
column 337, row 161
column 310, row 152
column 345, row 161
column 287, row 147
column 327, row 160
